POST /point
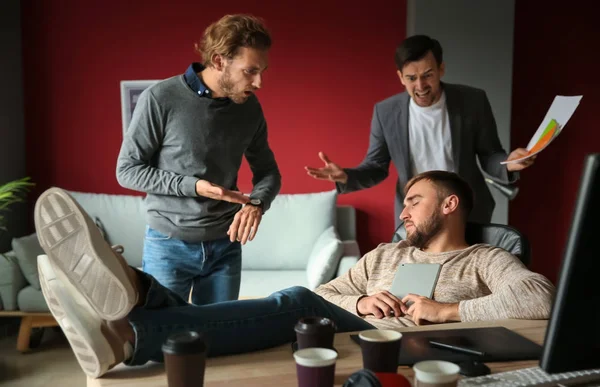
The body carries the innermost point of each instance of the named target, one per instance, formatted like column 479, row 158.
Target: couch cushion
column 27, row 249
column 31, row 300
column 289, row 230
column 11, row 280
column 122, row 217
column 261, row 283
column 324, row 258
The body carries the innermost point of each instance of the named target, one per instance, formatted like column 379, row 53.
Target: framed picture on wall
column 130, row 92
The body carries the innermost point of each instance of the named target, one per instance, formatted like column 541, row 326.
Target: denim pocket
column 154, row 235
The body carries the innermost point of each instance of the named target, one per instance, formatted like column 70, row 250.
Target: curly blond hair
column 226, row 36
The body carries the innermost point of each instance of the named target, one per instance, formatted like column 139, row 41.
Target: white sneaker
column 77, row 249
column 96, row 347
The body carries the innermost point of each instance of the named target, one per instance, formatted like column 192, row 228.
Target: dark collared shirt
column 193, row 80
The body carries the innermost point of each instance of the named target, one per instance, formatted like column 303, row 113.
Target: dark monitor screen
column 573, row 335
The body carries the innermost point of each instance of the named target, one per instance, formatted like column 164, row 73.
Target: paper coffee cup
column 315, row 367
column 185, row 359
column 380, row 349
column 380, row 335
column 436, row 373
column 315, row 332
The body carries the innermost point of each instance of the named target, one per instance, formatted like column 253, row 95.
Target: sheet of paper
column 554, row 122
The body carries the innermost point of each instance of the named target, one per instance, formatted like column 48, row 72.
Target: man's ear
column 400, row 76
column 218, row 62
column 450, row 204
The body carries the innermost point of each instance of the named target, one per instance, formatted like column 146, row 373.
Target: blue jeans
column 211, row 269
column 230, row 327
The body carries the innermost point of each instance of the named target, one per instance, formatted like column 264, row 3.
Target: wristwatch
column 255, row 202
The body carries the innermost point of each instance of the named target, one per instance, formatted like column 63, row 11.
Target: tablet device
column 497, row 344
column 416, row 278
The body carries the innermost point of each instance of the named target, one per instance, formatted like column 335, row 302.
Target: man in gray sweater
column 184, row 148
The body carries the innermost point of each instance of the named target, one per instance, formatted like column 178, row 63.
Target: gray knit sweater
column 177, row 137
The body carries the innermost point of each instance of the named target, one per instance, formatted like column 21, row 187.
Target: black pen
column 455, row 348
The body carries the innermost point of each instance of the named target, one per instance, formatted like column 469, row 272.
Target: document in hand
column 556, row 118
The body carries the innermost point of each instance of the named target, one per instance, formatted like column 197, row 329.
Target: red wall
column 554, row 55
column 329, row 64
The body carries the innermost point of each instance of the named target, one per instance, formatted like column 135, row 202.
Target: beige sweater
column 488, row 283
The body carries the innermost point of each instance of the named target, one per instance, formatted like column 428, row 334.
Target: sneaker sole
column 75, row 247
column 92, row 350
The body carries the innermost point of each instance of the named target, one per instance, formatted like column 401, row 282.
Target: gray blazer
column 473, row 131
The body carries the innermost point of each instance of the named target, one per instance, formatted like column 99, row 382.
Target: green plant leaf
column 11, row 193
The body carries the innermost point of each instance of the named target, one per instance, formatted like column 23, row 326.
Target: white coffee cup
column 436, row 373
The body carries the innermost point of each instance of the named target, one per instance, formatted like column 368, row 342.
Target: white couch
column 297, row 244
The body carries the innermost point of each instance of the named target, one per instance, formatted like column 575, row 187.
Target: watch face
column 255, row 202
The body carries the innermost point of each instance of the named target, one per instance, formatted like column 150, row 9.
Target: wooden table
column 29, row 320
column 276, row 366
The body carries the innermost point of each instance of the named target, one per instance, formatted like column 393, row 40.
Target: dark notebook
column 498, row 343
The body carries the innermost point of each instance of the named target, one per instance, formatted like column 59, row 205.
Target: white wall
column 477, row 39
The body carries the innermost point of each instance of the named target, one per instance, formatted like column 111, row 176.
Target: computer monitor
column 573, row 336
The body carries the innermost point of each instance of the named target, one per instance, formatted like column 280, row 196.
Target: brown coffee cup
column 380, row 349
column 315, row 332
column 185, row 359
column 436, row 373
column 315, row 367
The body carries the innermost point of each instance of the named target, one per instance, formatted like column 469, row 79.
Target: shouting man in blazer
column 431, row 126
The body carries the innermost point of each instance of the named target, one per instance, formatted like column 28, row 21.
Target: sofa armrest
column 349, row 258
column 324, row 258
column 11, row 280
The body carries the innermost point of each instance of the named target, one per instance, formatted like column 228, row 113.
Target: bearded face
column 420, row 235
column 242, row 75
column 238, row 91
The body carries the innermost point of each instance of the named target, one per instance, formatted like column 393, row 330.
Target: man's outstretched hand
column 213, row 191
column 245, row 224
column 517, row 154
column 331, row 171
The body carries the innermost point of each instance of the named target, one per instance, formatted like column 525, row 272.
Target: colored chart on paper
column 551, row 131
column 552, row 125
